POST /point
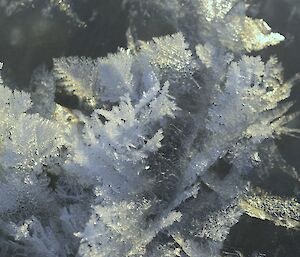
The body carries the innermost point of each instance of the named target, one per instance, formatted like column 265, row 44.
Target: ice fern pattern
column 155, row 157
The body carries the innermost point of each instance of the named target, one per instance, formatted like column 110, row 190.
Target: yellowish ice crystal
column 257, row 35
column 65, row 7
column 283, row 212
column 215, row 9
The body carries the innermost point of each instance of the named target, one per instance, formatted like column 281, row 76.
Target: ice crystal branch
column 155, row 157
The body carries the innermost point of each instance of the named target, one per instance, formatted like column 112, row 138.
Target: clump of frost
column 154, row 159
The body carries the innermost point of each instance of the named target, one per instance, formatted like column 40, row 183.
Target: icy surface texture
column 158, row 155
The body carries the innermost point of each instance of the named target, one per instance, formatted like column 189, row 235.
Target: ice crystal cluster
column 12, row 7
column 157, row 156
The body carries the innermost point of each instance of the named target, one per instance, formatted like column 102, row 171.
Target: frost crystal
column 157, row 153
column 64, row 6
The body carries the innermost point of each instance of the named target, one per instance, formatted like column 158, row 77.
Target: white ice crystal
column 26, row 139
column 153, row 159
